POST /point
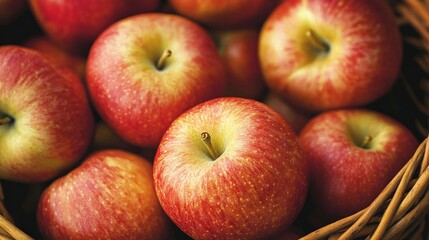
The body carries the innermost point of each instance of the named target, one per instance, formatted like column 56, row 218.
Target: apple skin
column 52, row 124
column 362, row 63
column 10, row 10
column 256, row 187
column 225, row 14
column 346, row 176
column 109, row 196
column 76, row 24
column 135, row 98
column 239, row 51
column 58, row 54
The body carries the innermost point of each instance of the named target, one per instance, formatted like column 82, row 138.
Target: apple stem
column 316, row 40
column 367, row 140
column 161, row 61
column 205, row 137
column 5, row 120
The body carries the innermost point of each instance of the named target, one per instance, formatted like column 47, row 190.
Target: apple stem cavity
column 366, row 141
column 161, row 61
column 206, row 138
column 5, row 120
column 317, row 41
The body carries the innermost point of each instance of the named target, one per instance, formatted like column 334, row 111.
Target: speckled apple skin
column 344, row 177
column 138, row 100
column 362, row 64
column 110, row 196
column 254, row 188
column 53, row 123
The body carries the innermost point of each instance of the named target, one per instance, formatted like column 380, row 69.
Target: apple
column 239, row 51
column 10, row 10
column 46, row 122
column 58, row 54
column 353, row 154
column 296, row 119
column 145, row 70
column 109, row 196
column 230, row 168
column 326, row 54
column 76, row 24
column 225, row 14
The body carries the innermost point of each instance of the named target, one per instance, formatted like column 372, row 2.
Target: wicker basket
column 401, row 211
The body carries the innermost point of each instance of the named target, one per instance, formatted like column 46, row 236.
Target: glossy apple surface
column 46, row 121
column 254, row 185
column 110, row 196
column 326, row 54
column 353, row 154
column 137, row 89
column 75, row 24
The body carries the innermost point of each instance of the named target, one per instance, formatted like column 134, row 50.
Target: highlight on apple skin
column 326, row 54
column 109, row 196
column 231, row 168
column 46, row 122
column 145, row 70
column 353, row 154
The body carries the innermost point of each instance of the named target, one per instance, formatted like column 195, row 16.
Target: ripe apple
column 147, row 69
column 239, row 51
column 10, row 10
column 58, row 54
column 230, row 168
column 296, row 119
column 225, row 14
column 326, row 54
column 110, row 196
column 76, row 24
column 353, row 154
column 46, row 122
column 106, row 138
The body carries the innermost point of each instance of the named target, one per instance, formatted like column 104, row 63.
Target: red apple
column 145, row 70
column 225, row 14
column 75, row 24
column 353, row 155
column 239, row 51
column 61, row 56
column 46, row 122
column 10, row 10
column 296, row 119
column 326, row 54
column 110, row 196
column 230, row 168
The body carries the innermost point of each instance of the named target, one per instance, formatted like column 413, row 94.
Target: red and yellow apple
column 145, row 70
column 326, row 54
column 109, row 196
column 46, row 122
column 231, row 168
column 353, row 154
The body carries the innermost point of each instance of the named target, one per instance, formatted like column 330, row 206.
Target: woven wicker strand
column 8, row 231
column 399, row 212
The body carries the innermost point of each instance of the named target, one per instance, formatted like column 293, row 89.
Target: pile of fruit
column 187, row 119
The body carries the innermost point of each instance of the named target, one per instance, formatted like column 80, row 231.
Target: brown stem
column 366, row 141
column 161, row 61
column 5, row 120
column 316, row 40
column 205, row 137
